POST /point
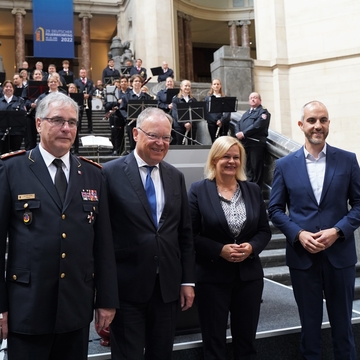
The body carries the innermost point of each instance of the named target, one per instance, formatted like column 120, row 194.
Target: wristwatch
column 339, row 232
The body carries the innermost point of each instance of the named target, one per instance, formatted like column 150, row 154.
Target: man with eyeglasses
column 54, row 210
column 153, row 242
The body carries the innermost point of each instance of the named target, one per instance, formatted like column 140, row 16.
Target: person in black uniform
column 138, row 70
column 252, row 131
column 161, row 96
column 216, row 122
column 167, row 72
column 134, row 94
column 188, row 128
column 116, row 118
column 66, row 71
column 11, row 137
column 54, row 209
column 110, row 72
column 86, row 86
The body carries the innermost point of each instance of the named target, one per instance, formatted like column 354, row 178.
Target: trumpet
column 86, row 101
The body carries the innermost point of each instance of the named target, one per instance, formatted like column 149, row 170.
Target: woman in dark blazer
column 230, row 228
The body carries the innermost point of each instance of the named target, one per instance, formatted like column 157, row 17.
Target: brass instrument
column 86, row 100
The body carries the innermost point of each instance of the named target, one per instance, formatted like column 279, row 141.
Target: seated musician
column 161, row 96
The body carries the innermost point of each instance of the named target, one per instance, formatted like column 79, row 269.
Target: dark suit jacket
column 142, row 72
column 165, row 75
column 292, row 188
column 211, row 232
column 254, row 125
column 89, row 86
column 140, row 248
column 73, row 239
column 107, row 73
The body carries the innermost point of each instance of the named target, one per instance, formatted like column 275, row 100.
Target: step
column 273, row 257
column 279, row 274
column 277, row 241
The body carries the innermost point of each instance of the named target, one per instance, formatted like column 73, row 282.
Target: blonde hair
column 180, row 94
column 211, row 91
column 218, row 149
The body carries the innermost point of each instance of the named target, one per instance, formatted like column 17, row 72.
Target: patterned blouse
column 235, row 211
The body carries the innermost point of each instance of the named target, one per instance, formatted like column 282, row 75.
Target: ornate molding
column 18, row 11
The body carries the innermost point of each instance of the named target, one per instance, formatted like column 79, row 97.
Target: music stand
column 125, row 70
column 135, row 107
column 36, row 88
column 170, row 93
column 110, row 94
column 109, row 79
column 78, row 98
column 68, row 79
column 222, row 104
column 10, row 119
column 191, row 112
column 156, row 71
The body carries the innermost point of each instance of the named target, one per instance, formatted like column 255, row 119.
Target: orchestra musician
column 184, row 96
column 218, row 123
column 11, row 137
column 138, row 70
column 31, row 132
column 161, row 96
column 72, row 89
column 116, row 118
column 135, row 94
column 85, row 86
column 110, row 73
column 66, row 71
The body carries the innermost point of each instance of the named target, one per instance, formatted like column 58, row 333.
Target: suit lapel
column 74, row 182
column 300, row 166
column 329, row 170
column 38, row 167
column 213, row 195
column 131, row 170
column 166, row 178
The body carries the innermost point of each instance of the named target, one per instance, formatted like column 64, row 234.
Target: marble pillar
column 235, row 68
column 245, row 38
column 233, row 32
column 19, row 37
column 185, row 47
column 85, row 42
column 181, row 46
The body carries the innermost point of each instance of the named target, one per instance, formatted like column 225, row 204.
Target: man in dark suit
column 85, row 86
column 109, row 74
column 138, row 70
column 66, row 72
column 54, row 210
column 153, row 243
column 252, row 131
column 167, row 72
column 312, row 190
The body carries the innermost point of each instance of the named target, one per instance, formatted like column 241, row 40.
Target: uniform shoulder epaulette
column 91, row 161
column 11, row 154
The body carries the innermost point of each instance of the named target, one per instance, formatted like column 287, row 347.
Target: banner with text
column 53, row 28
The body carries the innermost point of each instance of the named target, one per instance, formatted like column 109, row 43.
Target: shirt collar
column 321, row 154
column 48, row 158
column 140, row 161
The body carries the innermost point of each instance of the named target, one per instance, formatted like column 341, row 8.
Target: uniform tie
column 150, row 192
column 60, row 179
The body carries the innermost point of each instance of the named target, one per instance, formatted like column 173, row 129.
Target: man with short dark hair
column 138, row 70
column 109, row 74
column 315, row 202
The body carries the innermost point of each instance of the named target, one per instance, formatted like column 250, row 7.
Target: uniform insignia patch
column 89, row 195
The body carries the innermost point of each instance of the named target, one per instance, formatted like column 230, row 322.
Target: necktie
column 83, row 81
column 150, row 192
column 60, row 179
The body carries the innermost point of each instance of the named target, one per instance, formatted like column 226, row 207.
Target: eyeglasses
column 154, row 137
column 59, row 121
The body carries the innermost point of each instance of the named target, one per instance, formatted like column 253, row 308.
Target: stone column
column 19, row 36
column 188, row 48
column 181, row 45
column 85, row 42
column 245, row 39
column 233, row 32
